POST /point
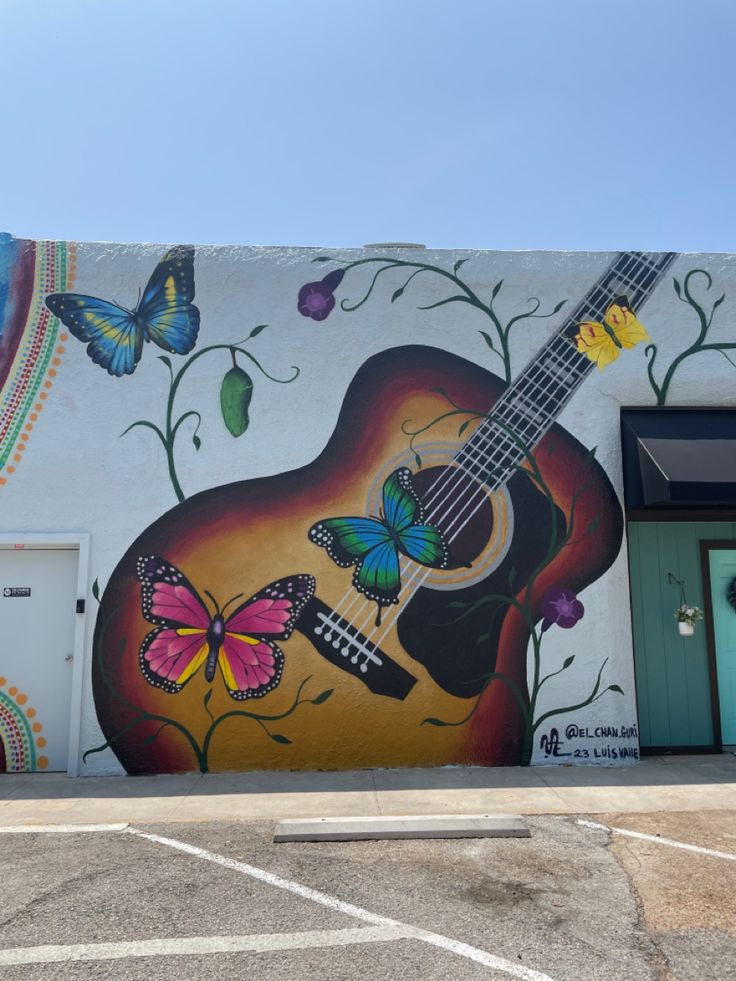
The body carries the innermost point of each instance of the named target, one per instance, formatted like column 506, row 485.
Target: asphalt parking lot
column 209, row 900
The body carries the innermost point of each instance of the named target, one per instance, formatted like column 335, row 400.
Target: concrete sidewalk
column 668, row 783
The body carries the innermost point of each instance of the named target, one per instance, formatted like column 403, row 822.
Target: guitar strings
column 566, row 364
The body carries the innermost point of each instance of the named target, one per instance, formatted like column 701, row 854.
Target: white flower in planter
column 687, row 617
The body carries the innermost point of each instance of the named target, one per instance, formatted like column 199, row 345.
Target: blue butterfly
column 165, row 315
column 373, row 545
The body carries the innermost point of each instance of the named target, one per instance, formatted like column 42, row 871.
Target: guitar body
column 435, row 651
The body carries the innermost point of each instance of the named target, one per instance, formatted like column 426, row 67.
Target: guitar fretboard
column 531, row 404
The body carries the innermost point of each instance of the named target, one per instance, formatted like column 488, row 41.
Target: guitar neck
column 532, row 403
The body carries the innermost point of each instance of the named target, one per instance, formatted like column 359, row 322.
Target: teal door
column 722, row 564
column 676, row 702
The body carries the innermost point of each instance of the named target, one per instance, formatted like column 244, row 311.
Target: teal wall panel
column 673, row 690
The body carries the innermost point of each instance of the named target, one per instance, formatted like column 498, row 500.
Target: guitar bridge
column 342, row 645
column 348, row 644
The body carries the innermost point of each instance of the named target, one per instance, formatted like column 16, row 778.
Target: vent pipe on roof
column 394, row 245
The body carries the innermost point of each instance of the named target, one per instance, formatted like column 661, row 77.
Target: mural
column 31, row 342
column 20, row 733
column 419, row 592
column 446, row 527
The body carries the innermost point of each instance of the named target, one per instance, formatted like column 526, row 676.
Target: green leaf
column 257, row 330
column 482, row 638
column 166, row 361
column 154, row 736
column 442, row 392
column 678, row 288
column 457, row 605
column 496, row 289
column 433, row 722
column 487, row 338
column 397, row 293
column 278, row 738
column 418, row 460
column 559, row 306
column 196, row 440
column 236, row 392
column 718, row 302
column 512, row 576
column 323, row 258
column 96, row 590
column 207, row 697
column 323, row 696
column 458, row 264
column 616, row 688
column 567, row 662
column 464, row 426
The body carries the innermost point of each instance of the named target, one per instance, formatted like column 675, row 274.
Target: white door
column 38, row 593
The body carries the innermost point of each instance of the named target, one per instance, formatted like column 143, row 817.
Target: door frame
column 65, row 540
column 708, row 545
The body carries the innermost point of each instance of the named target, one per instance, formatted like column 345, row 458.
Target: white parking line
column 331, row 902
column 659, row 840
column 175, row 946
column 59, row 829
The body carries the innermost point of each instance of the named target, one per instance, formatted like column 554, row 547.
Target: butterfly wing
column 348, row 540
column 113, row 338
column 168, row 658
column 274, row 610
column 424, row 544
column 171, row 319
column 250, row 668
column 167, row 597
column 379, row 576
column 401, row 506
column 628, row 330
column 594, row 341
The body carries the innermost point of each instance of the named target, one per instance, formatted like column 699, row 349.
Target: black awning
column 687, row 471
column 679, row 457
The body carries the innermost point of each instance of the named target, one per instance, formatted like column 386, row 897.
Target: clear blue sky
column 577, row 124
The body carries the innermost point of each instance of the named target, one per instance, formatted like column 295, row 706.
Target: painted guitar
column 462, row 528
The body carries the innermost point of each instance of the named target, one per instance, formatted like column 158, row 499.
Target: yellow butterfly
column 601, row 343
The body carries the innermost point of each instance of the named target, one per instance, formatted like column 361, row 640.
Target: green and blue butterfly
column 373, row 545
column 165, row 315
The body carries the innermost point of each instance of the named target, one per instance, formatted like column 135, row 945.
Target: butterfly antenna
column 214, row 601
column 222, row 612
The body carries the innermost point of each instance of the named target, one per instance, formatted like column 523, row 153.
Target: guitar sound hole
column 459, row 506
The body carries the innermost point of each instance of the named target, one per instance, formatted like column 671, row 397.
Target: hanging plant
column 687, row 617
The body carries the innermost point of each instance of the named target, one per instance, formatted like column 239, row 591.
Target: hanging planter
column 687, row 617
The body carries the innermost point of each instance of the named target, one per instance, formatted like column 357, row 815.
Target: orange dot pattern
column 19, row 753
column 56, row 266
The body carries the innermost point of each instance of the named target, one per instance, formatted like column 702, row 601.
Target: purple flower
column 316, row 300
column 561, row 606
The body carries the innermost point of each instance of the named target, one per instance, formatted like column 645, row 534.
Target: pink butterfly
column 189, row 636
